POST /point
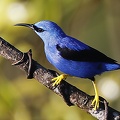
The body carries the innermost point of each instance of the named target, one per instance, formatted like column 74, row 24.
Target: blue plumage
column 71, row 56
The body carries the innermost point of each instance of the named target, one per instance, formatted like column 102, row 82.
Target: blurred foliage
column 95, row 22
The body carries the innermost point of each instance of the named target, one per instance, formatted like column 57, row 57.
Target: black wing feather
column 87, row 55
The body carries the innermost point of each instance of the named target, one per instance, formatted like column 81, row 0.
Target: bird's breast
column 52, row 55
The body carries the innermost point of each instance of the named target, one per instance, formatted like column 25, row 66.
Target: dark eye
column 38, row 29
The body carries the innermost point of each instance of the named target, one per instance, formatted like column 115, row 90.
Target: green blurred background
column 95, row 22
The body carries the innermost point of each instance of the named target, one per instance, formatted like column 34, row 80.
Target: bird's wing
column 78, row 51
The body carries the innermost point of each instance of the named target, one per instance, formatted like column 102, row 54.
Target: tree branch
column 70, row 94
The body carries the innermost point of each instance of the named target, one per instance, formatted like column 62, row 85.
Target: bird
column 71, row 56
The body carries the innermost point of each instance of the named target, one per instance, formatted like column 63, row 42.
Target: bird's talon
column 59, row 79
column 55, row 83
column 95, row 102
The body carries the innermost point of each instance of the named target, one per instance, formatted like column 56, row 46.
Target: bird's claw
column 59, row 79
column 95, row 102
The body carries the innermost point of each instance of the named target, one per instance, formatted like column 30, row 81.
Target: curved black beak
column 25, row 25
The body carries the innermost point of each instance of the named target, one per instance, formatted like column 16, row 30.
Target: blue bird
column 71, row 56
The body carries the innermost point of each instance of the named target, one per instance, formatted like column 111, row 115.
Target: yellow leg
column 59, row 79
column 95, row 101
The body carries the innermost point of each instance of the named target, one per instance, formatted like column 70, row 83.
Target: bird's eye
column 38, row 29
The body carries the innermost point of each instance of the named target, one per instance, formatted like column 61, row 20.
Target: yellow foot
column 59, row 79
column 95, row 101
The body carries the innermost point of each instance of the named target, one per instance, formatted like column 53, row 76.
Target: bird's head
column 46, row 30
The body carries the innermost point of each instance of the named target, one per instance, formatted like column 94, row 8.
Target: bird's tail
column 110, row 67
